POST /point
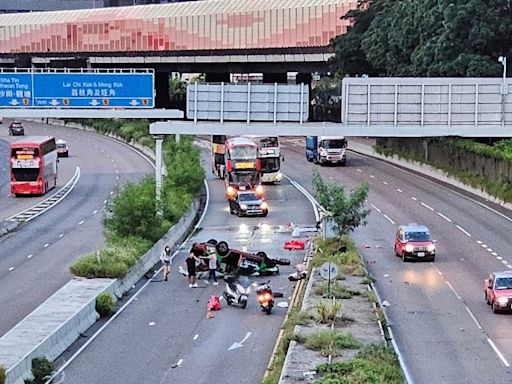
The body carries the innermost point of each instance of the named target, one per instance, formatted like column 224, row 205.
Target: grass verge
column 328, row 342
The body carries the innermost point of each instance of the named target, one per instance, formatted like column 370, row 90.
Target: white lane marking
column 385, row 183
column 377, row 209
column 372, row 177
column 509, row 266
column 484, row 245
column 474, row 319
column 439, row 272
column 11, row 269
column 399, row 190
column 494, row 253
column 61, row 236
column 464, row 231
column 29, row 256
column 101, row 150
column 180, row 361
column 358, row 170
column 117, row 170
column 80, row 222
column 104, row 201
column 389, row 219
column 504, row 262
column 479, row 241
column 453, row 290
column 195, row 337
column 95, row 212
column 499, row 258
column 502, row 358
column 444, row 217
column 414, row 198
column 46, row 245
column 427, row 206
column 489, row 250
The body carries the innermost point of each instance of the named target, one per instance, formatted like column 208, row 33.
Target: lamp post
column 504, row 90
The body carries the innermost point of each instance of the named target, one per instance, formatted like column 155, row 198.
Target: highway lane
column 183, row 346
column 35, row 260
column 436, row 309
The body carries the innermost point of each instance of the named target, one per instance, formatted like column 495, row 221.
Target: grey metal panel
column 264, row 102
column 470, row 106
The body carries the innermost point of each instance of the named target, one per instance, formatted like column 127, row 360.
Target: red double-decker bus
column 33, row 165
column 242, row 166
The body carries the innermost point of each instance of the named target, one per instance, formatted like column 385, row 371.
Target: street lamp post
column 504, row 90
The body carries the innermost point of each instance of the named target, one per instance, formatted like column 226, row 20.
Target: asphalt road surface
column 445, row 330
column 183, row 346
column 35, row 260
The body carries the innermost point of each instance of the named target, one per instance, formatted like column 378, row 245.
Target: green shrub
column 300, row 318
column 374, row 364
column 2, row 374
column 105, row 304
column 42, row 368
column 337, row 289
column 326, row 311
column 328, row 342
column 328, row 249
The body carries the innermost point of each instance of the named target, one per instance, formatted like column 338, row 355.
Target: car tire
column 222, row 248
column 396, row 251
column 309, row 159
column 432, row 259
column 263, row 255
column 494, row 307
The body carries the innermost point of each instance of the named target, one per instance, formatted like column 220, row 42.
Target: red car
column 498, row 291
column 413, row 241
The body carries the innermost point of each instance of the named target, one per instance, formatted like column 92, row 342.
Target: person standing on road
column 165, row 257
column 191, row 269
column 212, row 265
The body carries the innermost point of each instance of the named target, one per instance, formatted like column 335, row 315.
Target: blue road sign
column 77, row 90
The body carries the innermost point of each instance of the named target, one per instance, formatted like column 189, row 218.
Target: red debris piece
column 294, row 244
column 213, row 304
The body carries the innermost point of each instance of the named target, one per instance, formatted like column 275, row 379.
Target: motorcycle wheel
column 263, row 255
column 283, row 261
column 222, row 248
column 244, row 304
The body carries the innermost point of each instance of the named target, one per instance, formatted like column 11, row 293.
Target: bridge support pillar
column 281, row 78
column 162, row 99
column 213, row 77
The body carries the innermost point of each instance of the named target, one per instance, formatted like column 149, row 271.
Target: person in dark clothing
column 191, row 269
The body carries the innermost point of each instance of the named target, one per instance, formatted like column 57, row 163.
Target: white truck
column 326, row 149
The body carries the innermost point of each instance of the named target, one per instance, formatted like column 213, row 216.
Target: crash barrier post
column 52, row 327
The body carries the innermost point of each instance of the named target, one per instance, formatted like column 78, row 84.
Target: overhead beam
column 91, row 113
column 323, row 129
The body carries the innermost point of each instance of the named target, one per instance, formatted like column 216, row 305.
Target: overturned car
column 237, row 262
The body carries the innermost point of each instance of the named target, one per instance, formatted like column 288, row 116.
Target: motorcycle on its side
column 236, row 292
column 265, row 297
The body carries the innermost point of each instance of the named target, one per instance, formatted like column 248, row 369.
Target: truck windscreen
column 334, row 144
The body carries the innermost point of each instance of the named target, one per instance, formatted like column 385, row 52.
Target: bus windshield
column 245, row 178
column 270, row 164
column 243, row 152
column 25, row 174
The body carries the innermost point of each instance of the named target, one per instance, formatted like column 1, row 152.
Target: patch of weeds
column 371, row 296
column 300, row 318
column 367, row 280
column 328, row 342
column 338, row 290
column 379, row 312
column 372, row 364
column 326, row 311
column 343, row 320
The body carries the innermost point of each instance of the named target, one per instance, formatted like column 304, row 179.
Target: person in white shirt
column 165, row 257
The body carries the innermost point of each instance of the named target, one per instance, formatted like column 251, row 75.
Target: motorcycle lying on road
column 265, row 297
column 237, row 291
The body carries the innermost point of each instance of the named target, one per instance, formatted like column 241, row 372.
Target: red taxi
column 498, row 291
column 413, row 241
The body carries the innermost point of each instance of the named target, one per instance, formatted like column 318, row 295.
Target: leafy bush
column 300, row 318
column 2, row 374
column 326, row 311
column 374, row 364
column 328, row 249
column 42, row 368
column 105, row 304
column 328, row 342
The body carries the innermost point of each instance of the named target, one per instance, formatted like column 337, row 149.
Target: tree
column 347, row 211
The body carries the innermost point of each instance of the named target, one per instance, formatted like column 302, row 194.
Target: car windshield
column 333, row 144
column 417, row 236
column 248, row 197
column 61, row 145
column 16, row 125
column 270, row 164
column 504, row 283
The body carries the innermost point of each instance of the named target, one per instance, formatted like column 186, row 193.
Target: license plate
column 421, row 254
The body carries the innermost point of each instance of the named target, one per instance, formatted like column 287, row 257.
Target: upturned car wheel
column 222, row 248
column 263, row 255
column 212, row 241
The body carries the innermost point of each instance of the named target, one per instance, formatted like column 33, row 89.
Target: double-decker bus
column 269, row 154
column 33, row 165
column 242, row 166
column 218, row 155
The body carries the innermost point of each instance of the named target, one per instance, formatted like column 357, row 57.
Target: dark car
column 16, row 129
column 413, row 241
column 247, row 203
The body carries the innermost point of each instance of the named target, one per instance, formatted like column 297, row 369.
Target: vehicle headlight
column 230, row 191
column 431, row 248
column 279, row 176
column 264, row 205
column 259, row 189
column 323, row 152
column 502, row 301
column 409, row 248
column 243, row 206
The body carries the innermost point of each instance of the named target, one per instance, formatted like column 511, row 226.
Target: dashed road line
column 95, row 212
column 11, row 269
column 453, row 290
column 372, row 177
column 111, row 192
column 499, row 257
column 377, row 209
column 509, row 266
column 444, row 217
column 479, row 241
column 61, row 236
column 29, row 256
column 385, row 183
column 389, row 219
column 80, row 222
column 414, row 198
column 489, row 249
column 474, row 319
column 427, row 206
column 504, row 262
column 463, row 231
column 358, row 170
column 484, row 245
column 105, row 201
column 497, row 351
column 399, row 190
column 494, row 253
column 46, row 245
column 195, row 337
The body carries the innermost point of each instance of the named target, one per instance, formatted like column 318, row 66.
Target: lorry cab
column 326, row 149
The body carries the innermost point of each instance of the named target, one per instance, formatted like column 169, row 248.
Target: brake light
column 258, row 164
column 229, row 166
column 39, row 183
